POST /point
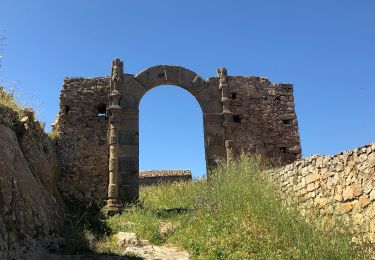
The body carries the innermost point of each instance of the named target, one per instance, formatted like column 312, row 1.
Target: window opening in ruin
column 234, row 95
column 67, row 108
column 283, row 149
column 287, row 122
column 237, row 119
column 101, row 109
column 171, row 135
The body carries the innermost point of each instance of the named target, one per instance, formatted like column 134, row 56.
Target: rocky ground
column 132, row 248
column 144, row 249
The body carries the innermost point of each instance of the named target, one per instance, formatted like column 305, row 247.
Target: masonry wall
column 82, row 138
column 264, row 122
column 264, row 117
column 342, row 185
column 153, row 177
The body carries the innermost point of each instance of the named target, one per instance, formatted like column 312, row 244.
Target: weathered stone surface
column 347, row 207
column 343, row 185
column 152, row 177
column 30, row 214
column 125, row 239
column 352, row 191
column 82, row 138
column 364, row 201
column 312, row 177
column 266, row 121
column 152, row 252
column 241, row 114
column 145, row 250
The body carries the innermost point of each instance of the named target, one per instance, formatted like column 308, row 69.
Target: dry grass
column 9, row 109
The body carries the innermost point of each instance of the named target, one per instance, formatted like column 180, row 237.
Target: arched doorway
column 171, row 131
column 126, row 93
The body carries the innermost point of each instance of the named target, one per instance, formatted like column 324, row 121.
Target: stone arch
column 241, row 114
column 173, row 75
column 130, row 92
column 137, row 85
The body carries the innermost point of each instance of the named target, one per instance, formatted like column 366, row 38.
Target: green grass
column 236, row 215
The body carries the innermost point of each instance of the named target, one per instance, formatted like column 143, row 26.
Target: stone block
column 152, row 77
column 128, row 137
column 129, row 151
column 129, row 102
column 364, row 201
column 128, row 164
column 312, row 177
column 208, row 94
column 212, row 106
column 346, row 207
column 310, row 187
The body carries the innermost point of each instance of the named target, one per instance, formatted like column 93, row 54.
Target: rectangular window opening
column 237, row 119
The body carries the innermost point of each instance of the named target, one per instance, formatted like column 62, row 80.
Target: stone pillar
column 227, row 114
column 214, row 140
column 114, row 110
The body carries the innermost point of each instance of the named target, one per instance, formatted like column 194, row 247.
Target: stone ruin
column 152, row 177
column 97, row 125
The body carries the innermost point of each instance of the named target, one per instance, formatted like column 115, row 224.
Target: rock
column 312, row 177
column 346, row 207
column 363, row 201
column 29, row 213
column 143, row 248
column 371, row 159
column 152, row 252
column 166, row 228
column 125, row 239
column 352, row 191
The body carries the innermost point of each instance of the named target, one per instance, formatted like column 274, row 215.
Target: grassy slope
column 237, row 215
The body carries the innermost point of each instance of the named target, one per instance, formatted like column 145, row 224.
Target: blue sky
column 325, row 48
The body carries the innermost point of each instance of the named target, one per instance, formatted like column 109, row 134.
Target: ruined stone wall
column 342, row 185
column 264, row 118
column 264, row 122
column 152, row 177
column 82, row 138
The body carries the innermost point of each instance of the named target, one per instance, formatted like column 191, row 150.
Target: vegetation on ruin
column 9, row 109
column 237, row 215
column 12, row 113
column 7, row 100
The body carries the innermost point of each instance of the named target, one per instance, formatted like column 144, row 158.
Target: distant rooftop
column 161, row 173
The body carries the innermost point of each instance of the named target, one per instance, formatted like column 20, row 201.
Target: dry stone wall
column 340, row 186
column 152, row 177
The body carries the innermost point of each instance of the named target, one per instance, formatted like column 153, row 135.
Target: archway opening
column 171, row 133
